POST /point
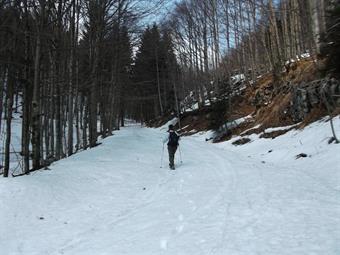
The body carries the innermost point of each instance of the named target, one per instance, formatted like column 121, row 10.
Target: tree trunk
column 9, row 100
column 26, row 99
column 2, row 88
column 36, row 107
column 158, row 83
column 71, row 79
column 319, row 23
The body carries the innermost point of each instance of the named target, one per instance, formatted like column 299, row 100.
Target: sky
column 159, row 15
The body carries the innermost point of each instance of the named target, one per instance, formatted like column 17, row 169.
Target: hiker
column 172, row 141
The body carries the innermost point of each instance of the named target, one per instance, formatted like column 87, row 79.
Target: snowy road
column 115, row 199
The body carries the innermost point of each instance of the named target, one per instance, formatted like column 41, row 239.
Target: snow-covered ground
column 224, row 199
column 15, row 146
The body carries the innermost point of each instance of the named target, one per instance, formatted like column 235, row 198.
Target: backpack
column 173, row 139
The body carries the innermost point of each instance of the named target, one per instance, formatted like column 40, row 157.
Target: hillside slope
column 300, row 96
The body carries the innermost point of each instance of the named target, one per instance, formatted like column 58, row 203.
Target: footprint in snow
column 179, row 229
column 164, row 244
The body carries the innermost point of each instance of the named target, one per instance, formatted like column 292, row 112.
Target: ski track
column 216, row 202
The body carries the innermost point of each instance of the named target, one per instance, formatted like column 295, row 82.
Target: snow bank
column 269, row 130
column 238, row 78
column 173, row 121
column 322, row 159
column 115, row 199
column 239, row 121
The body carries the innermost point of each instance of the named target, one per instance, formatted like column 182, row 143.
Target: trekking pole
column 162, row 157
column 180, row 153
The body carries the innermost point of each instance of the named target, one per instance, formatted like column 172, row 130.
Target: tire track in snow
column 147, row 199
column 214, row 165
column 236, row 196
column 217, row 164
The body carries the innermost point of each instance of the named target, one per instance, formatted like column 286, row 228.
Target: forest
column 75, row 70
column 169, row 127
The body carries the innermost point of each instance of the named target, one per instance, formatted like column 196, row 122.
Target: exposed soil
column 241, row 141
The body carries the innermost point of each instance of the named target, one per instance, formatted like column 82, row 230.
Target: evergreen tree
column 170, row 70
column 155, row 73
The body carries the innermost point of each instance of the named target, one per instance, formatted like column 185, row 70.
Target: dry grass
column 314, row 115
column 275, row 114
column 195, row 122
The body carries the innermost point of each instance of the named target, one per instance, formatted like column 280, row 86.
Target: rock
column 241, row 141
column 301, row 155
column 305, row 96
column 331, row 140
